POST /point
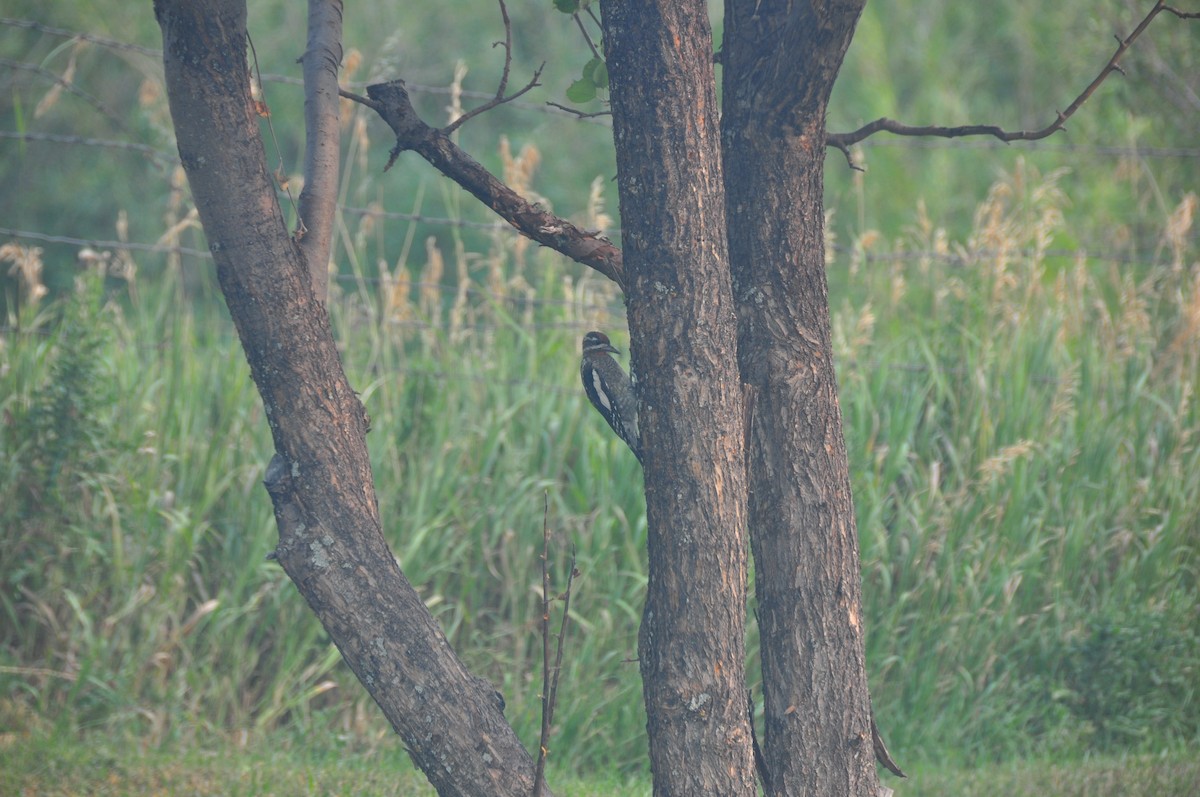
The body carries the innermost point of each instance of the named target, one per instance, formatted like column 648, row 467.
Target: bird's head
column 596, row 342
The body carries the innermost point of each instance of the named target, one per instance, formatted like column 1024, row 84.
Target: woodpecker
column 609, row 389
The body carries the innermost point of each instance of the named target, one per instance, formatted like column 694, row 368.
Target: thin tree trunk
column 322, row 139
column 330, row 542
column 817, row 738
column 691, row 646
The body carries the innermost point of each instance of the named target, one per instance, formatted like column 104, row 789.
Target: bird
column 610, row 390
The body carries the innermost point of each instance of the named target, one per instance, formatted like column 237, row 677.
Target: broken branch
column 392, row 103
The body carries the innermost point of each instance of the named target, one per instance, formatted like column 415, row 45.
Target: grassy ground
column 281, row 766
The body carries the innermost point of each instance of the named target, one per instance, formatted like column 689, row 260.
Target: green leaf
column 589, row 69
column 600, row 76
column 582, row 90
column 567, row 6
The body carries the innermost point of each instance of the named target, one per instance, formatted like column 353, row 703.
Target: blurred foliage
column 1012, row 64
column 1015, row 65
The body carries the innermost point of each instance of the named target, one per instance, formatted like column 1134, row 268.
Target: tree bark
column 691, row 646
column 817, row 738
column 330, row 541
column 322, row 139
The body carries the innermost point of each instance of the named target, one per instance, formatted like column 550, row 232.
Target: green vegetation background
column 1016, row 331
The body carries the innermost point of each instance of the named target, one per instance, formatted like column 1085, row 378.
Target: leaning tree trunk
column 780, row 59
column 683, row 352
column 330, row 542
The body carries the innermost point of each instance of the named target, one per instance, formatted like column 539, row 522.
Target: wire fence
column 1119, row 151
column 557, row 316
column 1148, row 260
column 161, row 159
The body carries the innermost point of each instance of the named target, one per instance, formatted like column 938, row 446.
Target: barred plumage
column 609, row 389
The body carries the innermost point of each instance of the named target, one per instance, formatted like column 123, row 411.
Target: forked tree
column 722, row 266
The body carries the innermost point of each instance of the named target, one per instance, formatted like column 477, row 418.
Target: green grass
column 1022, row 434
column 1020, row 431
column 1167, row 775
column 278, row 765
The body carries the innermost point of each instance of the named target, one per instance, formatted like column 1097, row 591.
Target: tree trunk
column 691, row 646
column 330, row 542
column 780, row 60
column 322, row 136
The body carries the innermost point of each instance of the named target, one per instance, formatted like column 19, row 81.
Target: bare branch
column 539, row 772
column 1182, row 14
column 845, row 148
column 591, row 45
column 391, row 101
column 577, row 113
column 592, row 13
column 322, row 134
column 550, row 672
column 563, row 624
column 499, row 99
column 881, row 752
column 361, row 100
column 843, row 141
column 507, row 44
column 533, row 83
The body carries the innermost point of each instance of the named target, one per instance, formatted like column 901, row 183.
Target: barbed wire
column 964, row 258
column 116, row 44
column 97, row 243
column 416, row 326
column 970, row 256
column 545, row 108
column 1103, row 150
column 69, row 86
column 496, row 225
column 959, row 258
column 59, row 138
column 103, row 41
column 874, row 365
column 512, row 299
column 399, row 371
column 423, row 88
column 446, row 327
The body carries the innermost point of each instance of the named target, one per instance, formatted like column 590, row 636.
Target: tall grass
column 1022, row 437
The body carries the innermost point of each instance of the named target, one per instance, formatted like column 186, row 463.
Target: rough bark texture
column 780, row 60
column 320, row 479
column 659, row 56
